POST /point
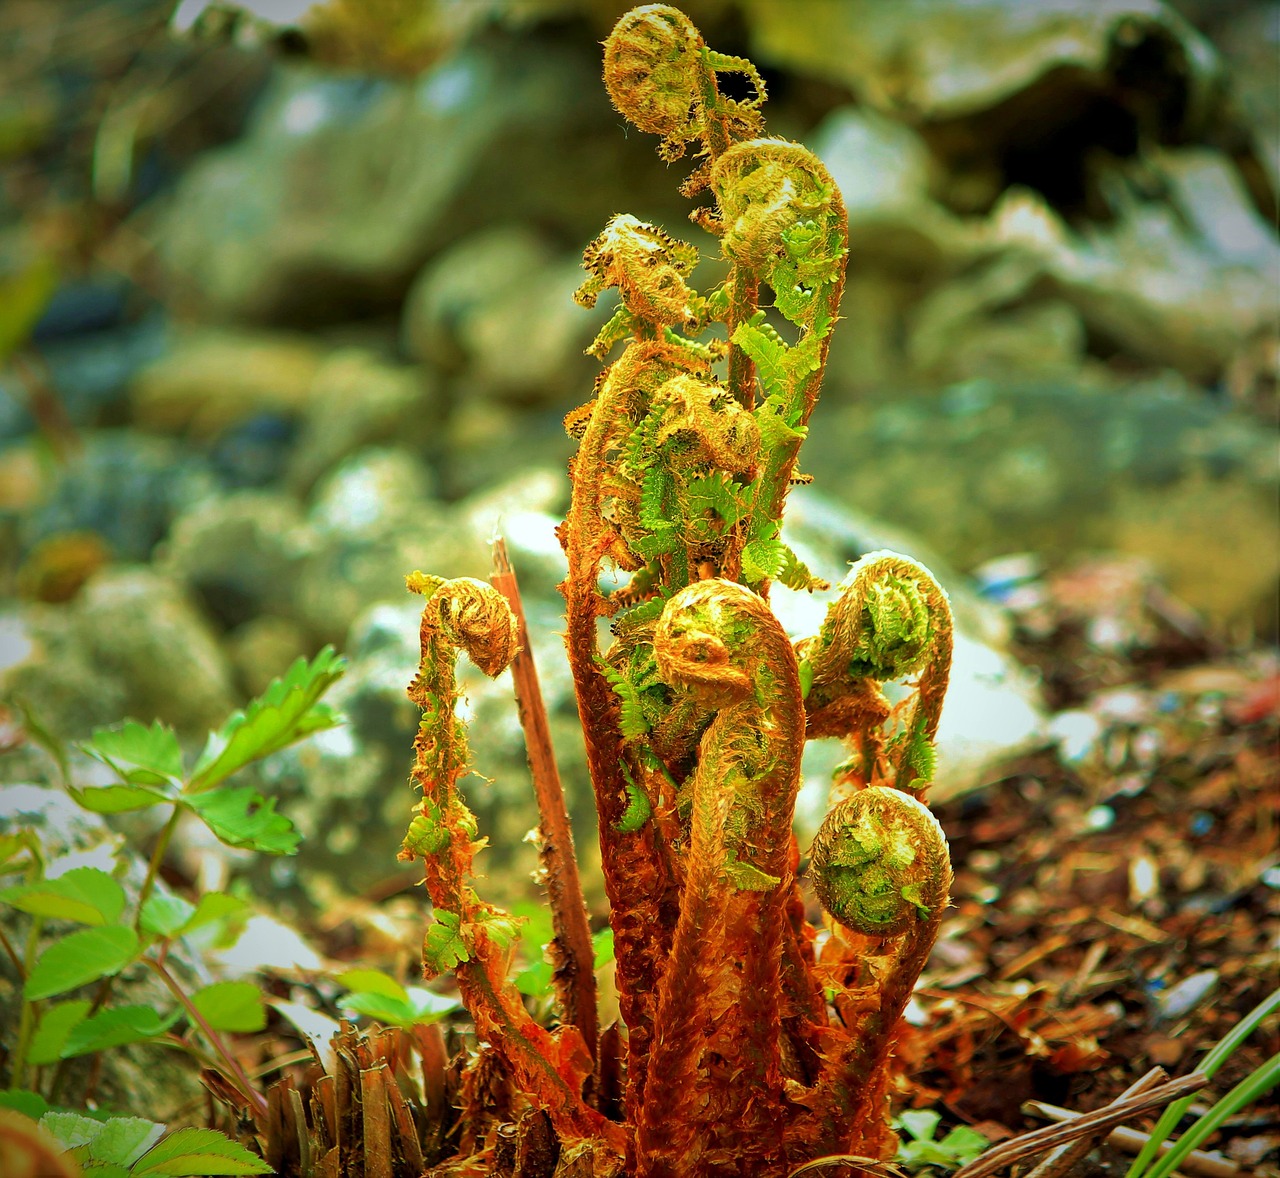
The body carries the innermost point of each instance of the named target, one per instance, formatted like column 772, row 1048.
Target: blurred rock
column 131, row 644
column 1185, row 282
column 358, row 400
column 500, row 304
column 345, row 184
column 263, row 649
column 240, row 555
column 125, row 486
column 927, row 60
column 981, row 470
column 373, row 520
column 212, row 378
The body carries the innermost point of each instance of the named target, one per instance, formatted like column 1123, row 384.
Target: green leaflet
column 632, row 722
column 745, row 877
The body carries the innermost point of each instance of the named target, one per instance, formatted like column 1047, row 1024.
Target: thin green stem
column 157, row 858
column 27, row 1020
column 255, row 1098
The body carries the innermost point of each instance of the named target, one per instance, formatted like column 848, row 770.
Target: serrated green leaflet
column 164, row 914
column 372, row 981
column 119, row 799
column 418, row 1006
column 242, row 817
column 71, row 1130
column 124, row 1140
column 116, row 1026
column 442, row 947
column 141, row 755
column 56, row 1023
column 191, row 1152
column 287, row 711
column 81, row 957
column 85, row 895
column 231, row 1006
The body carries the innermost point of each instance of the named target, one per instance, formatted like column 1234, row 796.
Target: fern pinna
column 753, row 1041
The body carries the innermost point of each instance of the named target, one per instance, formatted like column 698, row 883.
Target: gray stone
column 239, row 554
column 213, row 378
column 355, row 400
column 500, row 304
column 132, row 644
column 345, row 184
column 982, row 470
column 926, row 60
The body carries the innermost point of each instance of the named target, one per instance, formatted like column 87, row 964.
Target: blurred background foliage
column 285, row 313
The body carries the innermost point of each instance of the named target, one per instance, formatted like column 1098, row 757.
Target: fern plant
column 753, row 1041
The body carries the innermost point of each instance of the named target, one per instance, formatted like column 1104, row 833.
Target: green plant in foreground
column 1150, row 1163
column 747, row 1050
column 68, row 1009
column 959, row 1147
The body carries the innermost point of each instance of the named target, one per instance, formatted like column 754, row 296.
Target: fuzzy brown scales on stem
column 694, row 718
column 468, row 935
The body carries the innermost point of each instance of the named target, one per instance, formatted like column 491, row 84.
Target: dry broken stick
column 572, row 953
column 1037, row 1142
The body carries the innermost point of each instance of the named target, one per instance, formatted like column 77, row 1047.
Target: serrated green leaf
column 116, row 1026
column 631, row 718
column 81, row 957
column 242, row 817
column 419, row 1006
column 163, row 914
column 22, row 1100
column 769, row 352
column 118, row 799
column 188, row 1153
column 71, row 1130
column 231, row 1006
column 213, row 907
column 56, row 1023
column 123, row 1141
column 763, row 560
column 442, row 947
column 142, row 755
column 103, row 1170
column 287, row 711
column 372, row 981
column 84, row 894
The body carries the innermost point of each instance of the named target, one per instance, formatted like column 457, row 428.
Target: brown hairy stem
column 573, row 953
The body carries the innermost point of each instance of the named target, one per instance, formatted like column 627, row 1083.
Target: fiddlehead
column 469, row 936
column 714, row 1084
column 879, row 863
column 891, row 620
column 881, row 869
column 662, row 77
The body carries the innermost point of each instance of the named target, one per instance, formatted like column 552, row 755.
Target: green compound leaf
column 418, row 1006
column 287, row 711
column 231, row 1006
column 769, row 351
column 242, row 817
column 71, row 1130
column 763, row 560
column 189, row 1153
column 86, row 895
column 118, row 799
column 122, row 1142
column 442, row 947
column 141, row 755
column 56, row 1023
column 163, row 914
column 637, row 811
column 79, row 958
column 631, row 718
column 116, row 1026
